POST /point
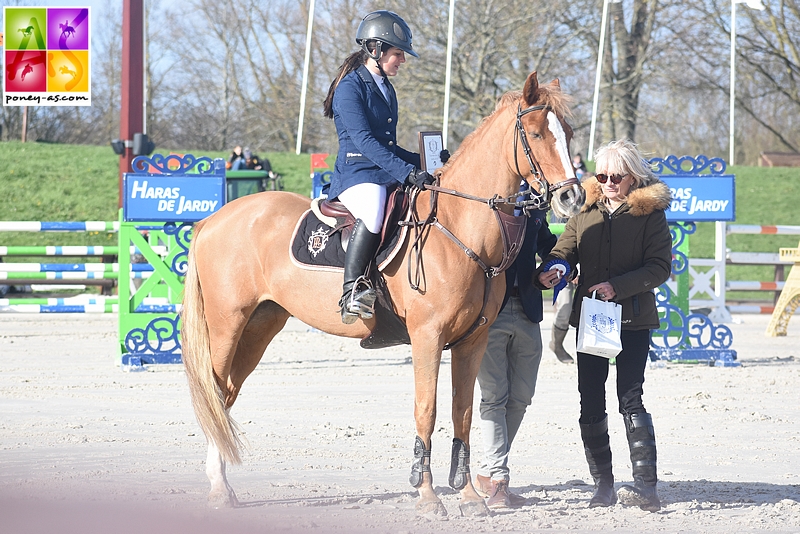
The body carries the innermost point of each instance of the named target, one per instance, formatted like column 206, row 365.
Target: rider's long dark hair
column 353, row 61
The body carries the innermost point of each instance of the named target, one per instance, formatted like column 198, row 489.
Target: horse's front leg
column 221, row 494
column 426, row 375
column 466, row 361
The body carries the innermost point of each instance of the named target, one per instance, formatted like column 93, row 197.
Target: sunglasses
column 615, row 178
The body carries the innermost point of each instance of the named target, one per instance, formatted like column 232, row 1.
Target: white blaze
column 561, row 143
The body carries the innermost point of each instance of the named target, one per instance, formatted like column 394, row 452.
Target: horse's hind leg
column 221, row 494
column 265, row 322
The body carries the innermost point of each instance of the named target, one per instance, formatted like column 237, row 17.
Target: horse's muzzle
column 568, row 201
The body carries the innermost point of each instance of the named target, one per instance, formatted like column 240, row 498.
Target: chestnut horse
column 241, row 285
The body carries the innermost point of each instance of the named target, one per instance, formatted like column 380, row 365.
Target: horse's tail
column 207, row 396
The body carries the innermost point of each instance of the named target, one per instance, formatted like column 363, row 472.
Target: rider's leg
column 367, row 204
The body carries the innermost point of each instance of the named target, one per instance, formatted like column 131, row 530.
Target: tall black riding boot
column 598, row 456
column 642, row 442
column 358, row 296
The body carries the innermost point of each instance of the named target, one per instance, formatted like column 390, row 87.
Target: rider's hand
column 444, row 155
column 419, row 178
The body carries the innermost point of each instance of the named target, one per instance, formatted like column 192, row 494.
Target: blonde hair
column 623, row 157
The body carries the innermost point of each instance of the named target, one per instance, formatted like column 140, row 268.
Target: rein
column 512, row 231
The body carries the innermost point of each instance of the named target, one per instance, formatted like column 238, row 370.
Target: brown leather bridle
column 536, row 199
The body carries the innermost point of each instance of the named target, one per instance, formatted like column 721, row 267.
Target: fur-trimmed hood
column 655, row 196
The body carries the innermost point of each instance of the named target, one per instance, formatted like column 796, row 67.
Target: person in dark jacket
column 510, row 365
column 622, row 241
column 363, row 105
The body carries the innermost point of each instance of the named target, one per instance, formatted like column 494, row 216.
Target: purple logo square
column 68, row 28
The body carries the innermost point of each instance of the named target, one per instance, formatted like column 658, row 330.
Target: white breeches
column 366, row 202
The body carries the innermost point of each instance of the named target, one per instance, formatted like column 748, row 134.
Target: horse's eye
column 535, row 135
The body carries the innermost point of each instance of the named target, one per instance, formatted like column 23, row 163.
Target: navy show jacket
column 538, row 240
column 366, row 124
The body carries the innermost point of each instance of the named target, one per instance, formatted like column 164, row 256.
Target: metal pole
column 598, row 74
column 130, row 117
column 446, row 118
column 304, row 90
column 733, row 78
column 144, row 67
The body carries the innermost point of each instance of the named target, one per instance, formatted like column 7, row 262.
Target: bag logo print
column 317, row 241
column 602, row 323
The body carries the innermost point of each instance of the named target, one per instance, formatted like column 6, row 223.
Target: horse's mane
column 549, row 95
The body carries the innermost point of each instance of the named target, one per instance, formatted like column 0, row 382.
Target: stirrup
column 348, row 317
column 362, row 302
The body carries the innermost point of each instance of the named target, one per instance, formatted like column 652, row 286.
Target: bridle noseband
column 536, row 199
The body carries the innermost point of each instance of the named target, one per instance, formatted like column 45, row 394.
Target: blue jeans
column 507, row 378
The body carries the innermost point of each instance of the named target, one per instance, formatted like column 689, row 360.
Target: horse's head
column 541, row 148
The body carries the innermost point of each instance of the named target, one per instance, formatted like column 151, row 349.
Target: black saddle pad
column 317, row 246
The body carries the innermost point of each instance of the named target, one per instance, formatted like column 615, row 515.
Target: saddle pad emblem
column 317, row 241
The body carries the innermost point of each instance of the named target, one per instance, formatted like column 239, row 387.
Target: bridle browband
column 537, row 199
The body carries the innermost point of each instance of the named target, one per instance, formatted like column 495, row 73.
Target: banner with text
column 47, row 56
column 701, row 198
column 170, row 198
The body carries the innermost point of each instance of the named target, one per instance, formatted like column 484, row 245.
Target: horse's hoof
column 474, row 508
column 432, row 510
column 226, row 499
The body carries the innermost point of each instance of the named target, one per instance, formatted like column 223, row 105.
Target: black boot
column 598, row 455
column 358, row 296
column 642, row 442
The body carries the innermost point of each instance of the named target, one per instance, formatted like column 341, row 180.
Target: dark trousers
column 593, row 372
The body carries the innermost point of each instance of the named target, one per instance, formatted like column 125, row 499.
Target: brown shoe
column 501, row 497
column 483, row 485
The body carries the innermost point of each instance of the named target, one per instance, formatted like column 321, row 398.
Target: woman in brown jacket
column 623, row 245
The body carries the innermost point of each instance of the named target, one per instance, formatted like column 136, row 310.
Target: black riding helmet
column 384, row 27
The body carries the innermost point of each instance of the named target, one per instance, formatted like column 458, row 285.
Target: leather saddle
column 396, row 209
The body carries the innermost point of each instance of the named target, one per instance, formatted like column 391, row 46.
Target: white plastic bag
column 598, row 331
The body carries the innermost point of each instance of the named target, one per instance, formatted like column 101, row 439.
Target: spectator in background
column 580, row 166
column 251, row 161
column 563, row 306
column 236, row 160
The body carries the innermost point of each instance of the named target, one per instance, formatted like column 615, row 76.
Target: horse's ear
column 530, row 89
column 556, row 83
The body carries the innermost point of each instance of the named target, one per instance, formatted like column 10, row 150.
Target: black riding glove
column 444, row 155
column 419, row 178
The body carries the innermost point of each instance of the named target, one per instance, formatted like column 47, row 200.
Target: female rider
column 363, row 105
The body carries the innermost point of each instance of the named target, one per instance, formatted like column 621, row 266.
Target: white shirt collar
column 379, row 81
